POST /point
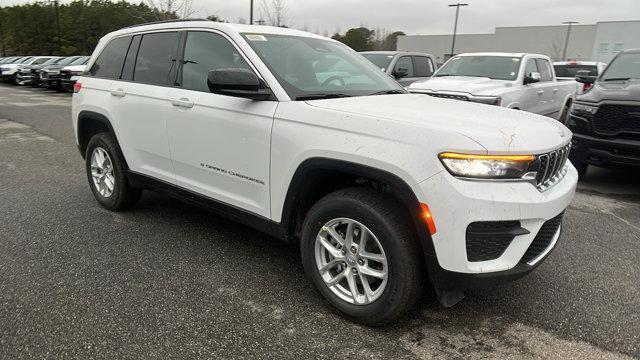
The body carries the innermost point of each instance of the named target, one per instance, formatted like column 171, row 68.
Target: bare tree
column 556, row 48
column 169, row 8
column 275, row 12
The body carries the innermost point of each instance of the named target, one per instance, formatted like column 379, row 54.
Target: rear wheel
column 105, row 168
column 359, row 250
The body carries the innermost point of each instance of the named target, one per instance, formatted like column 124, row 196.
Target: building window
column 603, row 48
column 618, row 47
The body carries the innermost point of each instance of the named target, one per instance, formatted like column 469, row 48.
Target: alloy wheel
column 102, row 172
column 351, row 261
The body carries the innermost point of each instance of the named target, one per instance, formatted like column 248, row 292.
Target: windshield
column 80, row 61
column 68, row 60
column 51, row 61
column 572, row 70
column 380, row 60
column 493, row 67
column 25, row 60
column 624, row 66
column 311, row 67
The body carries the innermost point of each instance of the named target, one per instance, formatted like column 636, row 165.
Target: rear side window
column 108, row 65
column 156, row 58
column 130, row 60
column 544, row 69
column 203, row 52
column 423, row 66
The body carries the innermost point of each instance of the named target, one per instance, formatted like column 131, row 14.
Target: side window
column 531, row 67
column 156, row 58
column 544, row 69
column 404, row 64
column 204, row 52
column 130, row 60
column 423, row 66
column 109, row 63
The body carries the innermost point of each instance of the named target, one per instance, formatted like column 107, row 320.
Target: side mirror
column 237, row 82
column 400, row 73
column 531, row 78
column 585, row 77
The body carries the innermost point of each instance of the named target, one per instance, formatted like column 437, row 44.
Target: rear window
column 572, row 70
column 108, row 65
column 156, row 57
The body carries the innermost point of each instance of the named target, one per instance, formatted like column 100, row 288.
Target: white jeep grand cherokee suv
column 301, row 137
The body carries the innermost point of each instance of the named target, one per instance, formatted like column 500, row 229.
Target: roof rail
column 163, row 22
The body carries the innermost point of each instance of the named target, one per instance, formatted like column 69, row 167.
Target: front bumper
column 605, row 152
column 456, row 203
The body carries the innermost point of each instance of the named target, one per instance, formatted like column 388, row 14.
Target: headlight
column 584, row 108
column 489, row 100
column 77, row 73
column 501, row 167
column 54, row 71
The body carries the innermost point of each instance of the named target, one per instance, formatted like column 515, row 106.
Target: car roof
column 207, row 24
column 381, row 52
column 576, row 63
column 505, row 54
column 632, row 51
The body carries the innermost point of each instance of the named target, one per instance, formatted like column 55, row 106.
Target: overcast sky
column 425, row 16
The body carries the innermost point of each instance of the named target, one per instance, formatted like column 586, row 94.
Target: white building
column 599, row 42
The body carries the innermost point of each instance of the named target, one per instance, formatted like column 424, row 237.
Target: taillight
column 586, row 87
column 77, row 87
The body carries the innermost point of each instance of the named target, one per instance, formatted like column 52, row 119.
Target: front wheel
column 105, row 168
column 361, row 253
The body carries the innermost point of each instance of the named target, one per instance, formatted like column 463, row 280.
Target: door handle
column 540, row 92
column 182, row 102
column 118, row 93
column 555, row 90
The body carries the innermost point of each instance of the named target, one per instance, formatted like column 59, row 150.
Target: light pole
column 251, row 14
column 455, row 26
column 566, row 40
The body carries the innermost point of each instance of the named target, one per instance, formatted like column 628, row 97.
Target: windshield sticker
column 256, row 37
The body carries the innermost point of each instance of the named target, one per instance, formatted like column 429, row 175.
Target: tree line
column 72, row 28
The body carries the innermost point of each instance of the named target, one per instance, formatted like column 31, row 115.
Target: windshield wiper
column 617, row 79
column 389, row 92
column 321, row 96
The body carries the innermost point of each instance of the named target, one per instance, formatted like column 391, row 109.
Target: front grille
column 612, row 120
column 551, row 167
column 449, row 96
column 487, row 240
column 543, row 239
column 65, row 74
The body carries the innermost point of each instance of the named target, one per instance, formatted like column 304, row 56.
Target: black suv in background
column 606, row 120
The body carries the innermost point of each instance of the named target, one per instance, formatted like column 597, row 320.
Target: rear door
column 137, row 101
column 220, row 144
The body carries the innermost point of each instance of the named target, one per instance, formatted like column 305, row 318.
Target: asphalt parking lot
column 167, row 280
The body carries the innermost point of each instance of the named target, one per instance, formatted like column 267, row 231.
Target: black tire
column 581, row 167
column 123, row 195
column 391, row 224
column 564, row 115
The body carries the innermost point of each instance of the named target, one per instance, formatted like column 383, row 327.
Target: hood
column 11, row 66
column 53, row 67
column 467, row 84
column 75, row 68
column 614, row 90
column 497, row 129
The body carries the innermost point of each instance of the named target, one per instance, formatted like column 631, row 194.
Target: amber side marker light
column 516, row 158
column 428, row 218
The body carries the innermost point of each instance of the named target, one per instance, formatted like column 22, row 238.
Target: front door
column 220, row 144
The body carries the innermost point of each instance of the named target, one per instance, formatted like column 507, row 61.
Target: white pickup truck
column 512, row 80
